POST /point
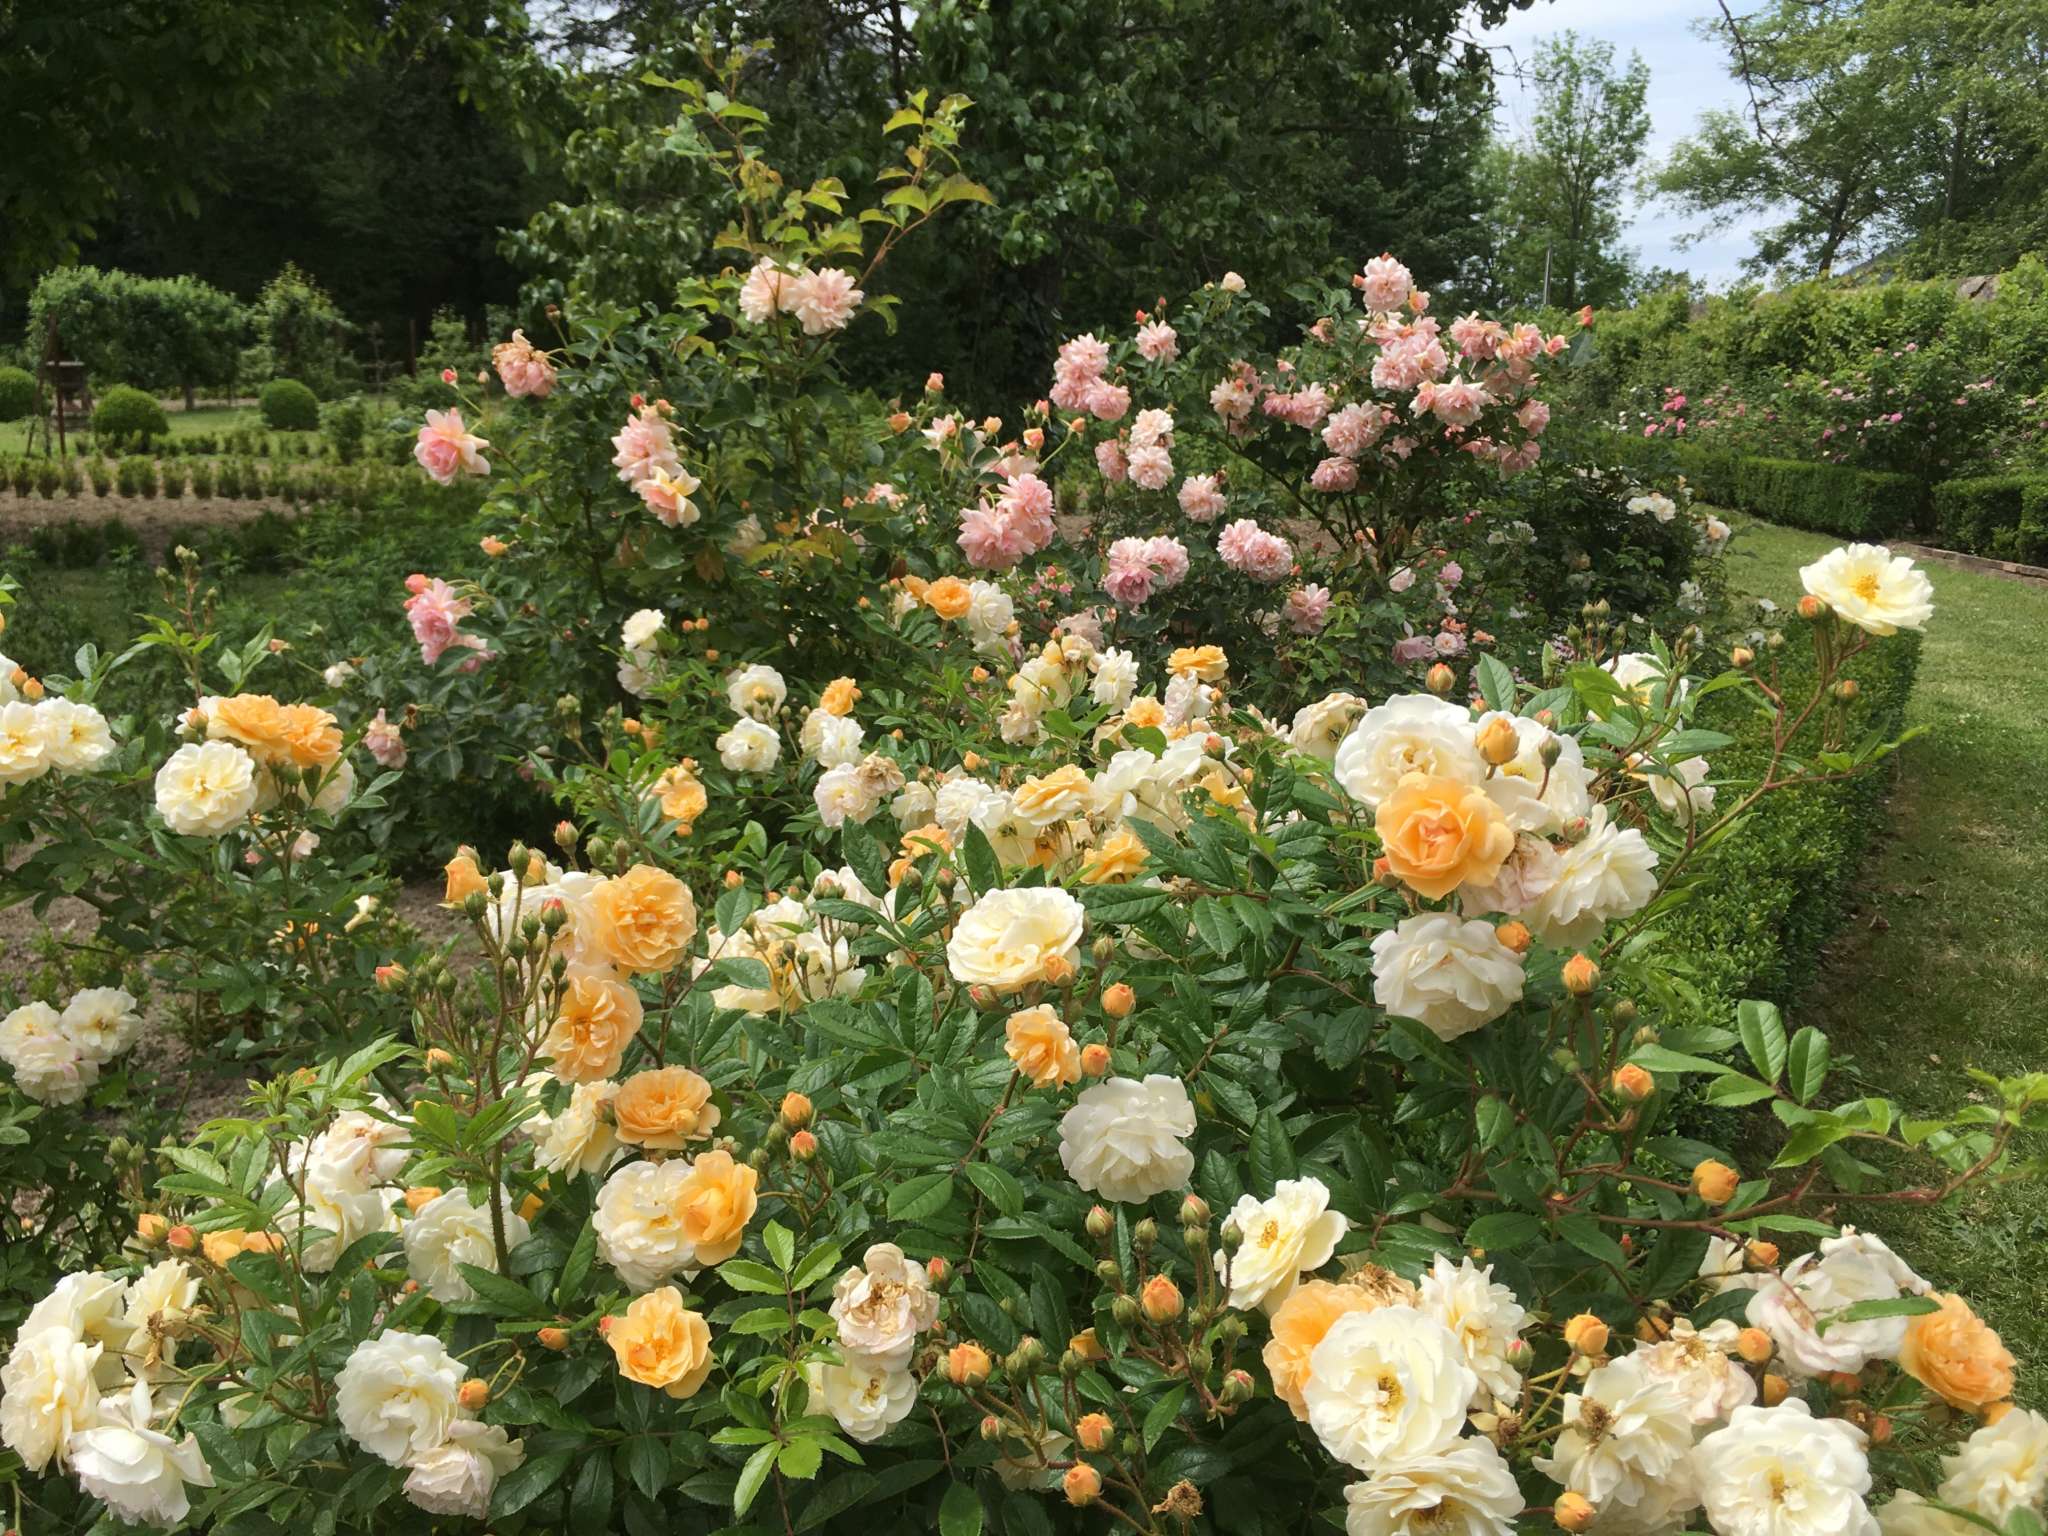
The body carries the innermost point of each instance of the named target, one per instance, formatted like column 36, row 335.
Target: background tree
column 1558, row 191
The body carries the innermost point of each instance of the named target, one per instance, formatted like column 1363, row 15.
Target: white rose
column 865, row 1396
column 1122, row 1139
column 1609, row 873
column 1293, row 1232
column 371, row 1147
column 882, row 1304
column 1320, row 728
column 990, row 613
column 1700, row 1364
column 75, row 735
column 1006, row 938
column 1871, row 588
column 205, row 789
column 8, row 692
column 1464, row 1491
column 1116, row 679
column 2001, row 1469
column 1726, row 1267
column 140, row 1472
column 1684, row 792
column 1449, row 975
column 636, row 673
column 756, row 692
column 1793, row 1307
column 1782, row 1472
column 1908, row 1514
column 1188, row 700
column 1531, row 868
column 48, row 1392
column 639, row 1227
column 399, row 1394
column 1415, row 733
column 1535, row 797
column 449, row 1231
column 1387, row 1386
column 833, row 740
column 749, row 747
column 955, row 804
column 101, row 1022
column 580, row 1139
column 1625, row 1433
column 338, row 1203
column 47, row 1065
column 457, row 1476
column 914, row 805
column 1640, row 674
column 91, row 1306
column 1485, row 1319
column 24, row 747
column 638, row 632
column 844, row 794
column 158, row 1305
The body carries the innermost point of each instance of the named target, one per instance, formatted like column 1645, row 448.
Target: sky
column 1688, row 74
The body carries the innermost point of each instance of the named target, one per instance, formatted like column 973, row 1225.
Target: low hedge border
column 1827, row 498
column 2002, row 516
column 1763, row 907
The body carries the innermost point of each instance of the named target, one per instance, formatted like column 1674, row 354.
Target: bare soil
column 155, row 519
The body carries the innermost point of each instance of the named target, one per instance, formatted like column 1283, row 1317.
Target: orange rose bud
column 1573, row 1512
column 1440, row 680
column 936, row 1269
column 1497, row 740
column 1754, row 1345
column 438, row 1057
column 1580, row 976
column 1515, row 936
column 1776, row 1388
column 1714, row 1182
column 1586, row 1334
column 1880, row 1429
column 463, row 877
column 1761, row 1255
column 1118, row 1000
column 796, row 1111
column 604, row 1324
column 1094, row 1058
column 1057, row 970
column 803, row 1146
column 151, row 1227
column 1160, row 1300
column 475, row 1393
column 1633, row 1082
column 967, row 1365
column 390, row 977
column 419, row 1195
column 182, row 1238
column 1082, row 1484
column 1087, row 1346
column 1811, row 607
column 1094, row 1432
column 553, row 1338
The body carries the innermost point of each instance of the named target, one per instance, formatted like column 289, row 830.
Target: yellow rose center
column 1865, row 587
column 1269, row 1234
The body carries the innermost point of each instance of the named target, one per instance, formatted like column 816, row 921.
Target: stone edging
column 2011, row 569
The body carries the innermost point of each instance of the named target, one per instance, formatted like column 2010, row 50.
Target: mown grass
column 207, row 418
column 1942, row 964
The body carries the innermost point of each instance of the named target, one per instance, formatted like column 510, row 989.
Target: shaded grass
column 1942, row 964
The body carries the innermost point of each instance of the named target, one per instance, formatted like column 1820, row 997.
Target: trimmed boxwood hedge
column 1856, row 503
column 1763, row 905
column 2003, row 516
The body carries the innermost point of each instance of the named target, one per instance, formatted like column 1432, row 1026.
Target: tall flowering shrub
column 1159, row 1116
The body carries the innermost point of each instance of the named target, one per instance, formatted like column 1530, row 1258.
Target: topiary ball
column 17, row 393
column 126, row 414
column 288, row 406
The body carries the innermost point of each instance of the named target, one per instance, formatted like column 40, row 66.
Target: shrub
column 127, row 417
column 49, row 478
column 202, row 479
column 137, row 476
column 1856, row 503
column 21, row 476
column 346, row 425
column 17, row 393
column 289, row 406
column 1996, row 515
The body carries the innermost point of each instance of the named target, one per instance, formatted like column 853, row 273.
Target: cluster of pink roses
column 436, row 611
column 1078, row 383
column 822, row 300
column 1248, row 548
column 1137, row 568
column 647, row 460
column 1018, row 524
column 523, row 368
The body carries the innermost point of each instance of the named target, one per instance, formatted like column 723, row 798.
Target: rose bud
column 1580, row 976
column 1094, row 1432
column 1586, row 1334
column 1497, row 741
column 1573, row 1512
column 1775, row 1389
column 419, row 1195
column 474, row 1394
column 1633, row 1082
column 1754, row 1345
column 1160, row 1300
column 936, row 1269
column 182, row 1238
column 1082, row 1484
column 1714, row 1182
column 1094, row 1058
column 967, row 1365
column 796, row 1111
column 1761, row 1255
column 553, row 1338
column 1100, row 1223
column 1118, row 1000
column 1515, row 936
column 1440, row 680
column 151, row 1227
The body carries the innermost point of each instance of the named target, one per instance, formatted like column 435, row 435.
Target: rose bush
column 1096, row 1102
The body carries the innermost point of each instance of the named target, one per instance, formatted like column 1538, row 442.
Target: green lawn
column 1944, row 964
column 208, row 418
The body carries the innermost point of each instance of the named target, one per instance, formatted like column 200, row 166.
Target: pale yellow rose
column 664, row 1108
column 1954, row 1355
column 1053, row 797
column 1038, row 1041
column 598, row 1019
column 949, row 597
column 1205, row 663
column 714, row 1205
column 643, row 920
column 839, row 695
column 1117, row 858
column 1440, row 834
column 661, row 1343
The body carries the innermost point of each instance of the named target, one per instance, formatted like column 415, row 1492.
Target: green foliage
column 126, row 416
column 1856, row 503
column 289, row 406
column 17, row 393
column 168, row 333
column 299, row 333
column 2004, row 516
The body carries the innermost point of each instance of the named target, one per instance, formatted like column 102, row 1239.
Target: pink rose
column 1386, row 283
column 522, row 368
column 645, row 443
column 1201, row 499
column 1307, row 609
column 446, row 449
column 1168, row 558
column 1151, row 467
column 1248, row 548
column 434, row 611
column 1128, row 575
column 382, row 740
column 1158, row 342
column 1109, row 458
